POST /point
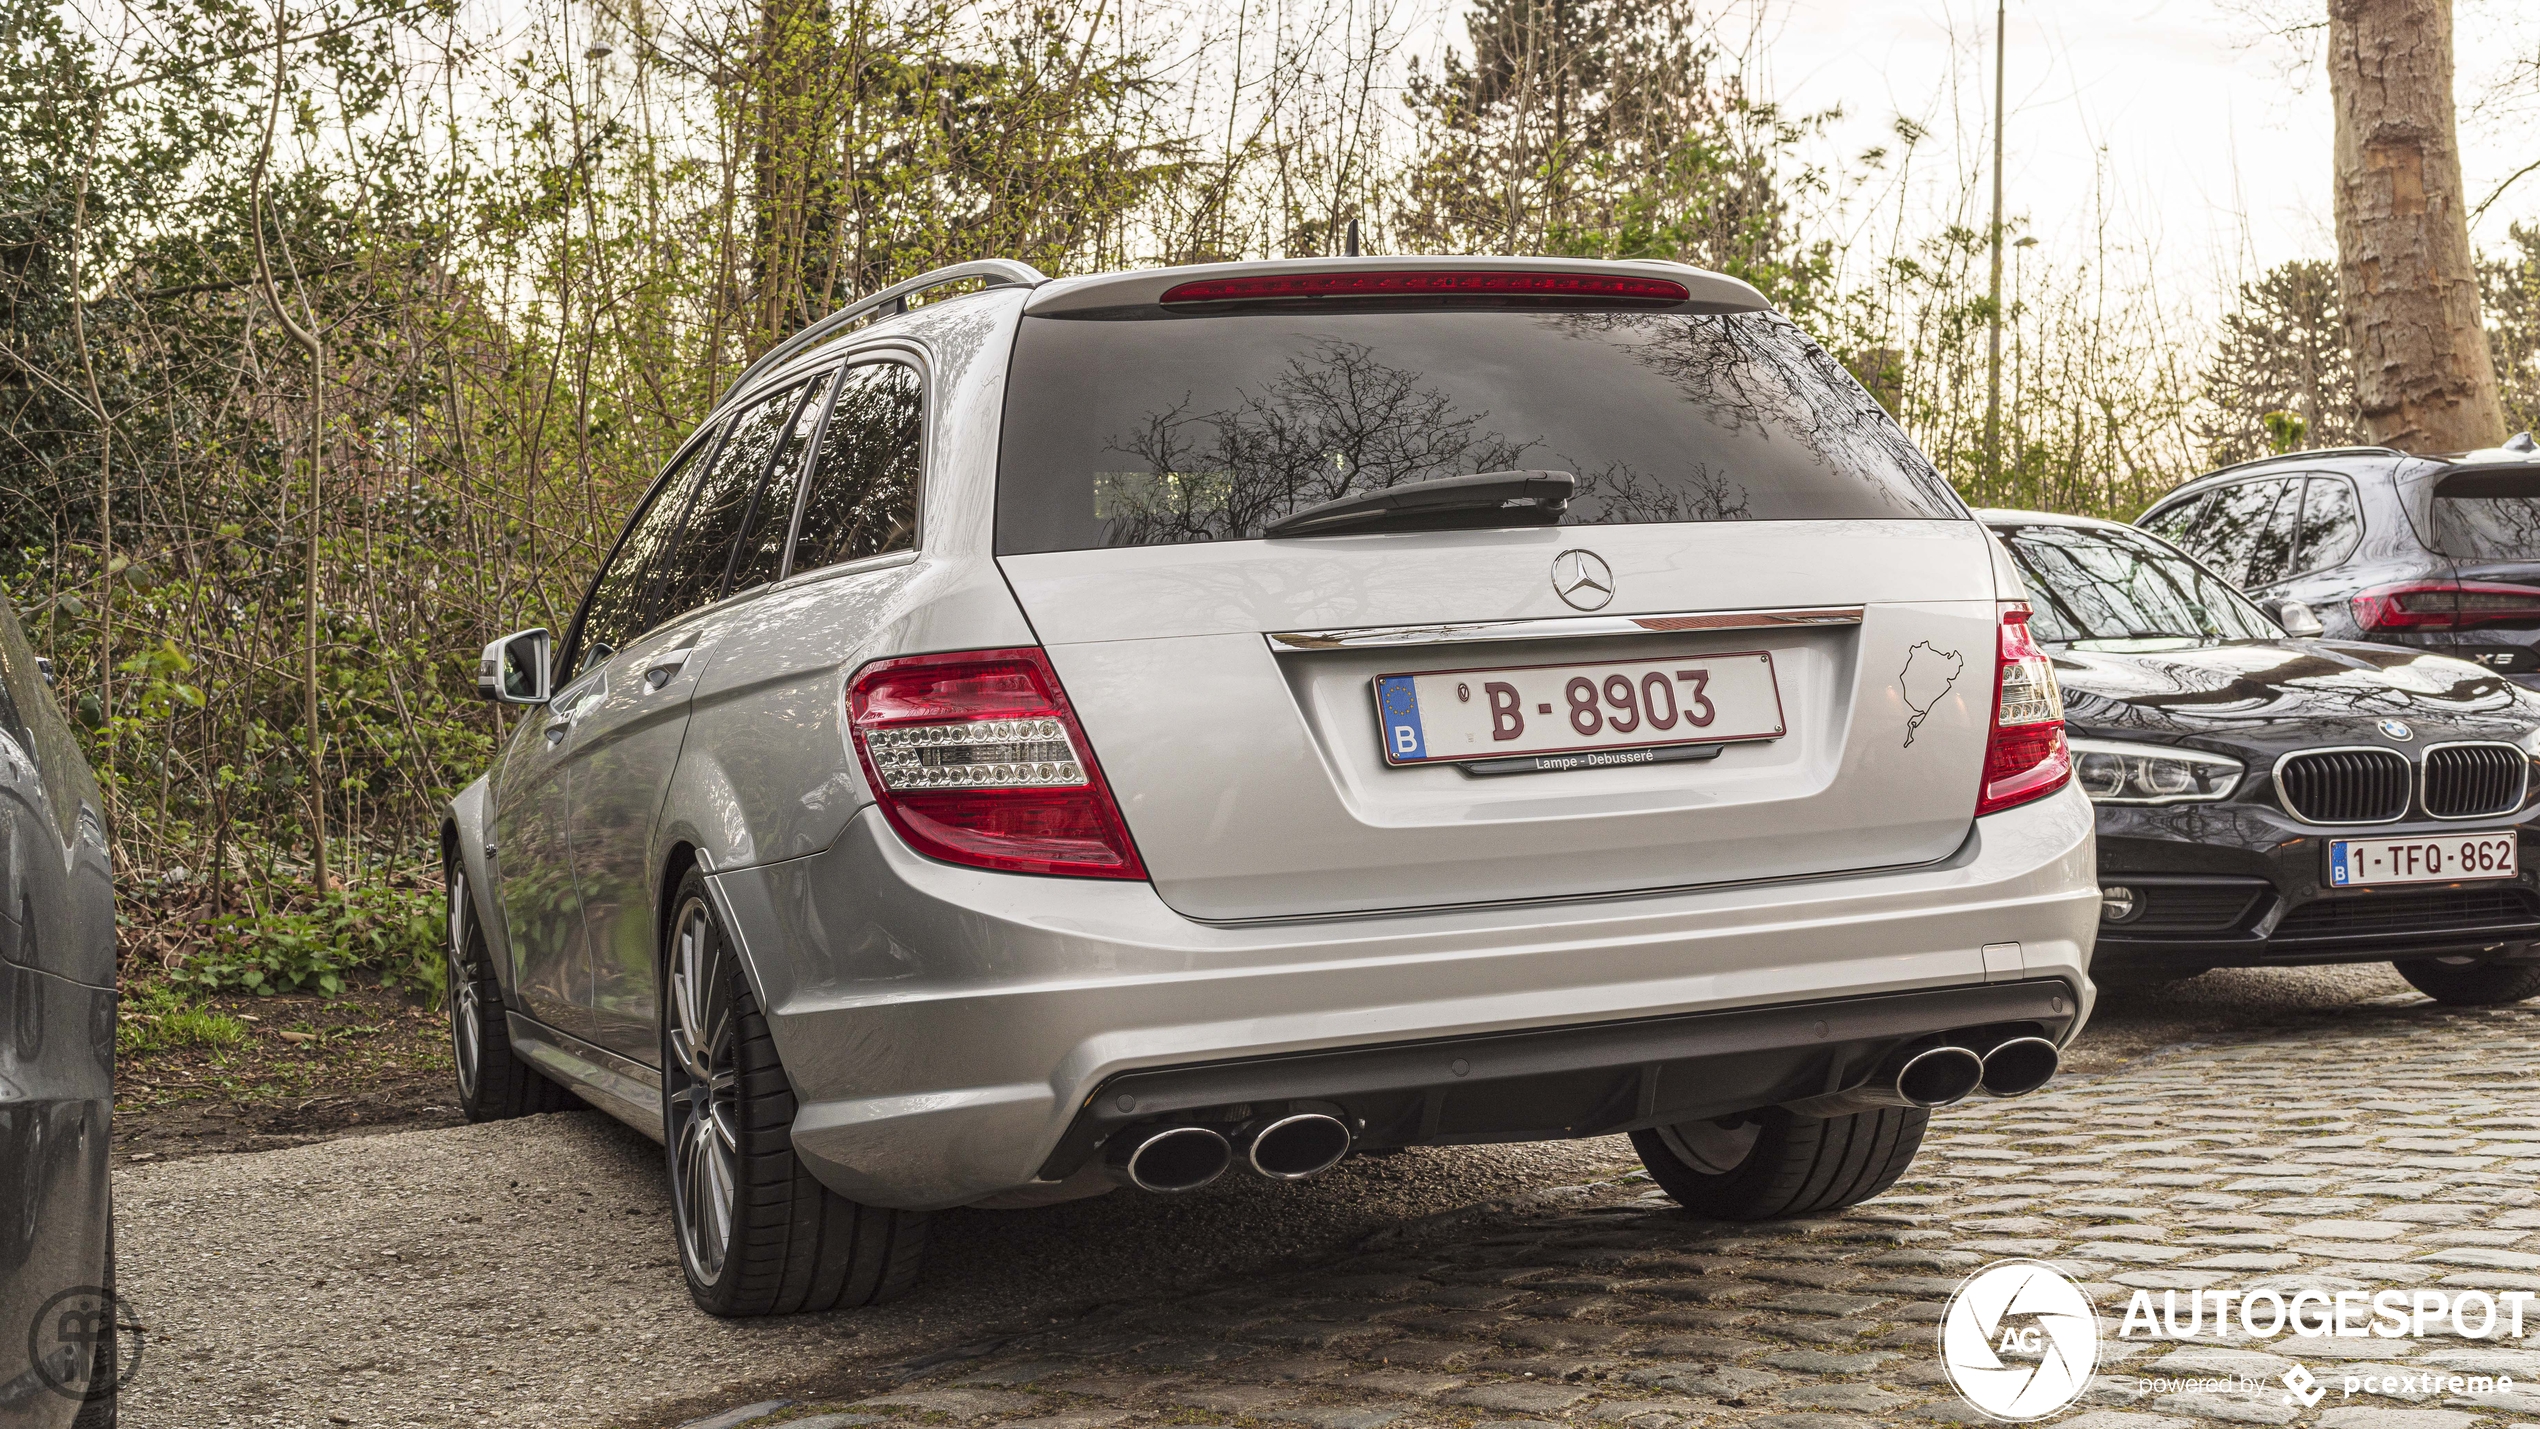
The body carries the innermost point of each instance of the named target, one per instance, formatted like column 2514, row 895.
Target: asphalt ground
column 523, row 1272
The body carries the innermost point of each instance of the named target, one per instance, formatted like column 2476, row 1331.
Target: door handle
column 668, row 664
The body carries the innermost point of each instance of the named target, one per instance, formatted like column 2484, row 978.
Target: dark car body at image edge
column 2226, row 759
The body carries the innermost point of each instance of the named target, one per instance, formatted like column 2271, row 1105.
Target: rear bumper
column 1564, row 1082
column 945, row 1028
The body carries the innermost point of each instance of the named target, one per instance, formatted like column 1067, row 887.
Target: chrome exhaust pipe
column 1299, row 1147
column 1169, row 1159
column 1929, row 1077
column 2019, row 1067
column 1938, row 1077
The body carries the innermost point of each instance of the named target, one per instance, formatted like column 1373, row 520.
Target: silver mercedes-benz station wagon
column 1107, row 731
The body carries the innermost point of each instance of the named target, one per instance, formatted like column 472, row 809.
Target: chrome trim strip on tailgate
column 1563, row 627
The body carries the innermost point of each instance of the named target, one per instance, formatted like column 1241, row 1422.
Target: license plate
column 2425, row 858
column 1585, row 710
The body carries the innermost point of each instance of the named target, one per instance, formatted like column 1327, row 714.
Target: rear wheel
column 494, row 1083
column 1769, row 1164
column 2471, row 982
column 758, row 1234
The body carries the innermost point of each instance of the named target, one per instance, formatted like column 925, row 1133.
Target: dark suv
column 2442, row 553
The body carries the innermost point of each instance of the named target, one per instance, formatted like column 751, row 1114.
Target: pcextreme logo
column 2019, row 1340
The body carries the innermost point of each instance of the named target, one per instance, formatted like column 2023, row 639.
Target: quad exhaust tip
column 1177, row 1158
column 1939, row 1076
column 2019, row 1067
column 1299, row 1147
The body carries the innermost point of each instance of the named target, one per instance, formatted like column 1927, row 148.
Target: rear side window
column 863, row 495
column 693, row 576
column 760, row 555
column 2271, row 553
column 615, row 611
column 2230, row 525
column 2488, row 516
column 2177, row 523
column 2332, row 522
column 1170, row 429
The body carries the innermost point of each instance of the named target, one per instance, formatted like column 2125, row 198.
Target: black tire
column 1788, row 1166
column 2465, row 983
column 758, row 1233
column 494, row 1083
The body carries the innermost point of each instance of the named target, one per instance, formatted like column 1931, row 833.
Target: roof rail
column 998, row 272
column 2294, row 456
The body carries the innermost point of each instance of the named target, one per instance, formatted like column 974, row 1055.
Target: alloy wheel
column 703, row 1090
column 466, row 1012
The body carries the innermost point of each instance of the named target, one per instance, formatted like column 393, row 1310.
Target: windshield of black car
column 1168, row 428
column 2091, row 584
column 2488, row 515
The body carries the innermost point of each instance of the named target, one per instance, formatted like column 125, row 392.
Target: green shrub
column 394, row 932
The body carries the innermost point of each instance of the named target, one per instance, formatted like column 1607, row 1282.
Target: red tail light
column 977, row 760
column 2024, row 756
column 2444, row 605
column 1428, row 284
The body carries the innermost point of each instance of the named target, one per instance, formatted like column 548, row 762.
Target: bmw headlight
column 2111, row 772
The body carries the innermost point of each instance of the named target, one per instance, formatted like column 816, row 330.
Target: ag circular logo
column 85, row 1343
column 2019, row 1340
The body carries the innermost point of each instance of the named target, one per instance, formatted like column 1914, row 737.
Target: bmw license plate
column 2424, row 858
column 1578, row 716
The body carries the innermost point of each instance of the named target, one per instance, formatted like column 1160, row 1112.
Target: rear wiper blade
column 1489, row 498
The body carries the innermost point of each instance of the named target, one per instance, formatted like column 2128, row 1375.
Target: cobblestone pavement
column 2398, row 1152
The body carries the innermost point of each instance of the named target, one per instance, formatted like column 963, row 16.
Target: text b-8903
column 1487, row 713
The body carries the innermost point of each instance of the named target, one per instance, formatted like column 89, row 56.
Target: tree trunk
column 2423, row 376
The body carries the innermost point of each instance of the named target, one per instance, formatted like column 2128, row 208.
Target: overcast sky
column 2207, row 137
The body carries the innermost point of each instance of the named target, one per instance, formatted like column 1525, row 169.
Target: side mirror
column 513, row 670
column 44, row 670
column 2298, row 620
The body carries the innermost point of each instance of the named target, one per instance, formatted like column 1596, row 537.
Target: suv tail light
column 2024, row 755
column 977, row 760
column 2444, row 605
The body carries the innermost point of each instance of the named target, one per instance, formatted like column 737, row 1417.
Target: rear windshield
column 1162, row 430
column 2488, row 516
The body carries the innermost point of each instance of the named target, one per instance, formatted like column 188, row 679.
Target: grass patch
column 157, row 1018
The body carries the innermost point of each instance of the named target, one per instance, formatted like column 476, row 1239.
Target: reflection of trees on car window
column 1332, row 421
column 1757, row 374
column 2488, row 528
column 2088, row 584
column 1618, row 494
column 1209, row 428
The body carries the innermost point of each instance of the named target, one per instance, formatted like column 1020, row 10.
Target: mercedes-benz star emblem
column 2397, row 729
column 1583, row 579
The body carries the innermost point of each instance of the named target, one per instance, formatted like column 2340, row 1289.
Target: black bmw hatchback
column 2439, row 553
column 2267, row 799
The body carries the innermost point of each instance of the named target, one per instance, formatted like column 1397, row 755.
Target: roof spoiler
column 890, row 302
column 1706, row 291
